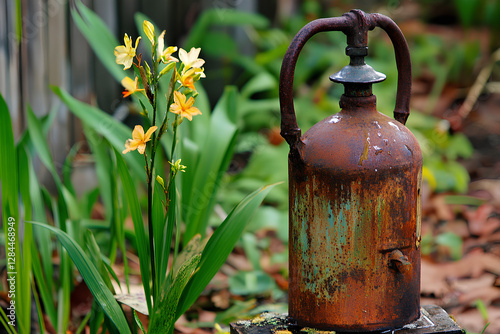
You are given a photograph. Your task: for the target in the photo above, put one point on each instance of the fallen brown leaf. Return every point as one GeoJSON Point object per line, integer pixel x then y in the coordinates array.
{"type": "Point", "coordinates": [206, 316]}
{"type": "Point", "coordinates": [492, 187]}
{"type": "Point", "coordinates": [471, 284]}
{"type": "Point", "coordinates": [433, 281]}
{"type": "Point", "coordinates": [435, 276]}
{"type": "Point", "coordinates": [239, 261]}
{"type": "Point", "coordinates": [477, 218]}
{"type": "Point", "coordinates": [281, 281]}
{"type": "Point", "coordinates": [443, 210]}
{"type": "Point", "coordinates": [221, 298]}
{"type": "Point", "coordinates": [457, 226]}
{"type": "Point", "coordinates": [487, 294]}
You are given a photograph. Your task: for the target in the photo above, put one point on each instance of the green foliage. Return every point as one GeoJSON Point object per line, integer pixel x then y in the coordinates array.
{"type": "Point", "coordinates": [10, 169]}
{"type": "Point", "coordinates": [482, 309]}
{"type": "Point", "coordinates": [92, 278]}
{"type": "Point", "coordinates": [253, 282]}
{"type": "Point", "coordinates": [220, 245]}
{"type": "Point", "coordinates": [221, 17]}
{"type": "Point", "coordinates": [198, 188]}
{"type": "Point", "coordinates": [448, 240]}
{"type": "Point", "coordinates": [453, 242]}
{"type": "Point", "coordinates": [205, 146]}
{"type": "Point", "coordinates": [478, 12]}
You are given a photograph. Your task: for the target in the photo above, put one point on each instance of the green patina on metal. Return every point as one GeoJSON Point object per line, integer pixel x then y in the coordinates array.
{"type": "Point", "coordinates": [380, 204]}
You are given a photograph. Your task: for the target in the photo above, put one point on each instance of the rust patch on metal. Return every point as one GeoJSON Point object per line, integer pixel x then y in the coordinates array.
{"type": "Point", "coordinates": [364, 155]}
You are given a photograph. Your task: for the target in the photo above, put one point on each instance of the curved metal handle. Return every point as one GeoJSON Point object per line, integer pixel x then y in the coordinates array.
{"type": "Point", "coordinates": [289, 127]}
{"type": "Point", "coordinates": [355, 25]}
{"type": "Point", "coordinates": [403, 64]}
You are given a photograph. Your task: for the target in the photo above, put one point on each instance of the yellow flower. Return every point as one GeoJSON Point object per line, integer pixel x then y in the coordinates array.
{"type": "Point", "coordinates": [149, 30]}
{"type": "Point", "coordinates": [191, 59]}
{"type": "Point", "coordinates": [165, 55]}
{"type": "Point", "coordinates": [139, 139]}
{"type": "Point", "coordinates": [183, 108]}
{"type": "Point", "coordinates": [126, 53]}
{"type": "Point", "coordinates": [187, 81]}
{"type": "Point", "coordinates": [188, 77]}
{"type": "Point", "coordinates": [131, 86]}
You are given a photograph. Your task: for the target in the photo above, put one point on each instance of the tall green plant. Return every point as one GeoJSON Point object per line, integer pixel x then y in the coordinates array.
{"type": "Point", "coordinates": [14, 178]}
{"type": "Point", "coordinates": [207, 147]}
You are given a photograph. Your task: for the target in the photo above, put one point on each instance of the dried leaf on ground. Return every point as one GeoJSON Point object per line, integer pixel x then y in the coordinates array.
{"type": "Point", "coordinates": [477, 219]}
{"type": "Point", "coordinates": [136, 301]}
{"type": "Point", "coordinates": [435, 276]}
{"type": "Point", "coordinates": [490, 187]}
{"type": "Point", "coordinates": [467, 285]}
{"type": "Point", "coordinates": [488, 294]}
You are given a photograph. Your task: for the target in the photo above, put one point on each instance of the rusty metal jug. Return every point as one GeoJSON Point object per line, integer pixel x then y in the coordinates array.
{"type": "Point", "coordinates": [355, 181]}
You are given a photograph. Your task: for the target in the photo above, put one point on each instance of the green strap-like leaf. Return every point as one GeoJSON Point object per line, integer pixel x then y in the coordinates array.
{"type": "Point", "coordinates": [95, 253]}
{"type": "Point", "coordinates": [42, 149]}
{"type": "Point", "coordinates": [164, 316]}
{"type": "Point", "coordinates": [8, 169]}
{"type": "Point", "coordinates": [10, 195]}
{"type": "Point", "coordinates": [92, 278]}
{"type": "Point", "coordinates": [24, 267]}
{"type": "Point", "coordinates": [43, 287]}
{"type": "Point", "coordinates": [220, 245]}
{"type": "Point", "coordinates": [40, 143]}
{"type": "Point", "coordinates": [199, 188]}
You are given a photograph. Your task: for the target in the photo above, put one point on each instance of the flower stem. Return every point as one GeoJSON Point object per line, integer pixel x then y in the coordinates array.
{"type": "Point", "coordinates": [150, 184]}
{"type": "Point", "coordinates": [174, 139]}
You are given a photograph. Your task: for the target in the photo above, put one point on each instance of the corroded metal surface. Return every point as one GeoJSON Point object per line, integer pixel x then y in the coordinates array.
{"type": "Point", "coordinates": [433, 320]}
{"type": "Point", "coordinates": [354, 197]}
{"type": "Point", "coordinates": [354, 190]}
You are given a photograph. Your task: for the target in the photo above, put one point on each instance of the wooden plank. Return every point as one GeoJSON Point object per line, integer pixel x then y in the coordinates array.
{"type": "Point", "coordinates": [81, 60]}
{"type": "Point", "coordinates": [34, 62]}
{"type": "Point", "coordinates": [108, 89]}
{"type": "Point", "coordinates": [57, 74]}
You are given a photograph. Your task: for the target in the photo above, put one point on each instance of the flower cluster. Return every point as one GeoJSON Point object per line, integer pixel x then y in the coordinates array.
{"type": "Point", "coordinates": [183, 91]}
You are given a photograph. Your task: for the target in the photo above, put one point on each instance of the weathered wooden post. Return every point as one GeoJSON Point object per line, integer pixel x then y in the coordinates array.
{"type": "Point", "coordinates": [355, 181]}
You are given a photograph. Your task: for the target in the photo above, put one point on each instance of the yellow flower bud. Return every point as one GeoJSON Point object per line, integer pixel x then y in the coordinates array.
{"type": "Point", "coordinates": [167, 68]}
{"type": "Point", "coordinates": [149, 30]}
{"type": "Point", "coordinates": [160, 181]}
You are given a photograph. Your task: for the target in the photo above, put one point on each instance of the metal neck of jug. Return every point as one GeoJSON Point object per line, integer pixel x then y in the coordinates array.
{"type": "Point", "coordinates": [358, 77]}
